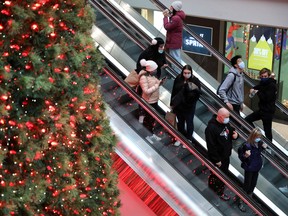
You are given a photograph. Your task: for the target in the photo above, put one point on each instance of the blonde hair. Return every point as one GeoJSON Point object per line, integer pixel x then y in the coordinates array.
{"type": "Point", "coordinates": [255, 133]}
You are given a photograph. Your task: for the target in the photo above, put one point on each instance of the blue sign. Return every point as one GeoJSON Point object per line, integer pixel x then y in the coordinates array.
{"type": "Point", "coordinates": [190, 44]}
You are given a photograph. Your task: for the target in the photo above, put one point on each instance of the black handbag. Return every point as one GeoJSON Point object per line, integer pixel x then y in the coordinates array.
{"type": "Point", "coordinates": [178, 98]}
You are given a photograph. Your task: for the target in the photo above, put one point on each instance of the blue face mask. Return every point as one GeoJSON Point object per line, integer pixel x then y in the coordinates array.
{"type": "Point", "coordinates": [226, 120]}
{"type": "Point", "coordinates": [264, 79]}
{"type": "Point", "coordinates": [257, 140]}
{"type": "Point", "coordinates": [160, 51]}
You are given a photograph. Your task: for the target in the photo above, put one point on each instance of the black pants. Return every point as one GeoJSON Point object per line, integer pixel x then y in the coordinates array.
{"type": "Point", "coordinates": [149, 121]}
{"type": "Point", "coordinates": [214, 182]}
{"type": "Point", "coordinates": [188, 118]}
{"type": "Point", "coordinates": [236, 108]}
{"type": "Point", "coordinates": [266, 120]}
{"type": "Point", "coordinates": [250, 181]}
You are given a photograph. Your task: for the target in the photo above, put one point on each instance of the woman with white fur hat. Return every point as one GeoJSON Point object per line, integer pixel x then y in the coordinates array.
{"type": "Point", "coordinates": [173, 23]}
{"type": "Point", "coordinates": [150, 91]}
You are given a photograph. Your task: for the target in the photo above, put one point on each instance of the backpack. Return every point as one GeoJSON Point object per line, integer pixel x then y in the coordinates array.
{"type": "Point", "coordinates": [229, 86]}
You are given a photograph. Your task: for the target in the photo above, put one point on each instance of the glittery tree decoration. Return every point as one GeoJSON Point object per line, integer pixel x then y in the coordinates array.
{"type": "Point", "coordinates": [55, 139]}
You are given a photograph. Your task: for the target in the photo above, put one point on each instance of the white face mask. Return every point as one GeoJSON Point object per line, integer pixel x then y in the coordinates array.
{"type": "Point", "coordinates": [226, 120]}
{"type": "Point", "coordinates": [187, 76]}
{"type": "Point", "coordinates": [241, 65]}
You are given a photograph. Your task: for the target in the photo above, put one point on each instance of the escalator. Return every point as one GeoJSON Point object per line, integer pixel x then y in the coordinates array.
{"type": "Point", "coordinates": [125, 40]}
{"type": "Point", "coordinates": [270, 174]}
{"type": "Point", "coordinates": [185, 162]}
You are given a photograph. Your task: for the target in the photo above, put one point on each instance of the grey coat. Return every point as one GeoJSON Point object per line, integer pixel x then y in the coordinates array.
{"type": "Point", "coordinates": [234, 95]}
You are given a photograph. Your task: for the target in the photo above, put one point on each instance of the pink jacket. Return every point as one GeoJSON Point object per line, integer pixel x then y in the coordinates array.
{"type": "Point", "coordinates": [150, 88]}
{"type": "Point", "coordinates": [174, 28]}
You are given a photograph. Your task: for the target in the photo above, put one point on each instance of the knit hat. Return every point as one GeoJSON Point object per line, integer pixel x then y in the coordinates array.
{"type": "Point", "coordinates": [157, 41]}
{"type": "Point", "coordinates": [177, 5]}
{"type": "Point", "coordinates": [149, 64]}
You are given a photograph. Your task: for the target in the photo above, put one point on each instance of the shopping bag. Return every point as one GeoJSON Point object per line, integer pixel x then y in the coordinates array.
{"type": "Point", "coordinates": [132, 79]}
{"type": "Point", "coordinates": [171, 118]}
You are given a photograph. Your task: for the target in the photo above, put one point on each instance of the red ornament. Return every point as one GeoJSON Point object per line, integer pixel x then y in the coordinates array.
{"type": "Point", "coordinates": [34, 27]}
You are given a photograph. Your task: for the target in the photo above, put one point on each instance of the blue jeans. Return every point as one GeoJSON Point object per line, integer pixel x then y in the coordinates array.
{"type": "Point", "coordinates": [175, 53]}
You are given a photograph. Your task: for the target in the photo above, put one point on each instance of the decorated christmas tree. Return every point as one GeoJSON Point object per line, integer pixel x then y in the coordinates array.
{"type": "Point", "coordinates": [55, 139]}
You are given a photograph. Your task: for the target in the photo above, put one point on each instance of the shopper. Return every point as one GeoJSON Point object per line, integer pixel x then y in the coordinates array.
{"type": "Point", "coordinates": [150, 93]}
{"type": "Point", "coordinates": [219, 135]}
{"type": "Point", "coordinates": [251, 162]}
{"type": "Point", "coordinates": [156, 53]}
{"type": "Point", "coordinates": [185, 94]}
{"type": "Point", "coordinates": [173, 23]}
{"type": "Point", "coordinates": [266, 91]}
{"type": "Point", "coordinates": [231, 91]}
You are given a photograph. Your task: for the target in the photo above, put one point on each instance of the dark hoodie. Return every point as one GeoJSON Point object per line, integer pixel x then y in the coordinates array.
{"type": "Point", "coordinates": [174, 28]}
{"type": "Point", "coordinates": [267, 93]}
{"type": "Point", "coordinates": [219, 140]}
{"type": "Point", "coordinates": [151, 53]}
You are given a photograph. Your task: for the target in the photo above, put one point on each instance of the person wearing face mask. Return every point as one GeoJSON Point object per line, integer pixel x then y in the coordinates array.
{"type": "Point", "coordinates": [251, 162]}
{"type": "Point", "coordinates": [185, 94]}
{"type": "Point", "coordinates": [156, 53]}
{"type": "Point", "coordinates": [150, 93]}
{"type": "Point", "coordinates": [231, 90]}
{"type": "Point", "coordinates": [266, 91]}
{"type": "Point", "coordinates": [219, 135]}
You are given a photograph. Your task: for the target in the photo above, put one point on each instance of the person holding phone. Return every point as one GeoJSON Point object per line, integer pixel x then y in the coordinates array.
{"type": "Point", "coordinates": [251, 163]}
{"type": "Point", "coordinates": [185, 94]}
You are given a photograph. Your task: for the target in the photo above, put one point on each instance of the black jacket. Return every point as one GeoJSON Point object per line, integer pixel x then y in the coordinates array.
{"type": "Point", "coordinates": [267, 93]}
{"type": "Point", "coordinates": [151, 53]}
{"type": "Point", "coordinates": [190, 97]}
{"type": "Point", "coordinates": [219, 140]}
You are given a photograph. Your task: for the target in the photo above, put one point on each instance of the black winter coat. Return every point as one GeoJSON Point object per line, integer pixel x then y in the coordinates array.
{"type": "Point", "coordinates": [190, 97]}
{"type": "Point", "coordinates": [219, 140]}
{"type": "Point", "coordinates": [267, 93]}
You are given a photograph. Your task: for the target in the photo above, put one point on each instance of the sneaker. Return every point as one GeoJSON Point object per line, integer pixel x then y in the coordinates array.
{"type": "Point", "coordinates": [177, 143]}
{"type": "Point", "coordinates": [149, 138]}
{"type": "Point", "coordinates": [141, 119]}
{"type": "Point", "coordinates": [284, 189]}
{"type": "Point", "coordinates": [183, 146]}
{"type": "Point", "coordinates": [224, 197]}
{"type": "Point", "coordinates": [241, 206]}
{"type": "Point", "coordinates": [154, 136]}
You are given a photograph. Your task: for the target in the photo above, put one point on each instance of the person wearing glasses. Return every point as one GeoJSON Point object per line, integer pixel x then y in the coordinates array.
{"type": "Point", "coordinates": [266, 91]}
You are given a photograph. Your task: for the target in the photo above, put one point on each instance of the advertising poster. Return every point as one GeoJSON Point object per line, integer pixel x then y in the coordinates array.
{"type": "Point", "coordinates": [261, 47]}
{"type": "Point", "coordinates": [190, 44]}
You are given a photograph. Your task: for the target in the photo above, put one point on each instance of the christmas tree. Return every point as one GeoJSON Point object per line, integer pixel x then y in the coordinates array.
{"type": "Point", "coordinates": [55, 139]}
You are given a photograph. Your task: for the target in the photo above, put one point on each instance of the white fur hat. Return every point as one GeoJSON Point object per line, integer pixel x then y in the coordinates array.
{"type": "Point", "coordinates": [177, 5]}
{"type": "Point", "coordinates": [149, 64]}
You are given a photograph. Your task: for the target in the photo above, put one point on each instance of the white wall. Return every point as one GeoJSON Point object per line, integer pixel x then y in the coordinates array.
{"type": "Point", "coordinates": [262, 12]}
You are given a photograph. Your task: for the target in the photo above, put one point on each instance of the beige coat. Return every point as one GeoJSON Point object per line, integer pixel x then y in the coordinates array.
{"type": "Point", "coordinates": [150, 88]}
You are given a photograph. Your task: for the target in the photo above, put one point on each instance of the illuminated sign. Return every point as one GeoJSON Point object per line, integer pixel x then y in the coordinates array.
{"type": "Point", "coordinates": [261, 48]}
{"type": "Point", "coordinates": [190, 44]}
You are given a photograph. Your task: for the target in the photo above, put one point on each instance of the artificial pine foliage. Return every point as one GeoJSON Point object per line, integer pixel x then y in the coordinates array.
{"type": "Point", "coordinates": [55, 139]}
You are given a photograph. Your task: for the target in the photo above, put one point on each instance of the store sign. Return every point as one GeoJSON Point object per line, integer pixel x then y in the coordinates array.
{"type": "Point", "coordinates": [261, 48]}
{"type": "Point", "coordinates": [190, 44]}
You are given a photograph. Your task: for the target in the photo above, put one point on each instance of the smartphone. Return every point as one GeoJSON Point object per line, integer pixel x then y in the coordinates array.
{"type": "Point", "coordinates": [164, 78]}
